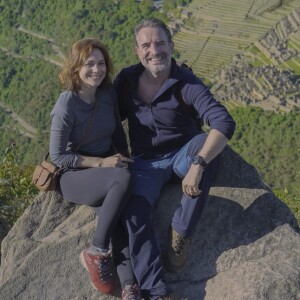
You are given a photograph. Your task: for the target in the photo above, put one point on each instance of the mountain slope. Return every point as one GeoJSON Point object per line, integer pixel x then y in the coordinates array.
{"type": "Point", "coordinates": [216, 30]}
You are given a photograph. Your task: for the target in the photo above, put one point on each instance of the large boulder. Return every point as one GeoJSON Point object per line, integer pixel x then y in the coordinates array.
{"type": "Point", "coordinates": [246, 246]}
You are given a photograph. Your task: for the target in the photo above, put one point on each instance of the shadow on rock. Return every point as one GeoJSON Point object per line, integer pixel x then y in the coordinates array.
{"type": "Point", "coordinates": [240, 210]}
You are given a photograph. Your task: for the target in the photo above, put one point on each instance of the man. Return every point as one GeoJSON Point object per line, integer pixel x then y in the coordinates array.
{"type": "Point", "coordinates": [165, 140]}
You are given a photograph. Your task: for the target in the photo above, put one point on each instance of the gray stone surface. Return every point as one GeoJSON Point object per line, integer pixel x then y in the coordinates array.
{"type": "Point", "coordinates": [246, 246]}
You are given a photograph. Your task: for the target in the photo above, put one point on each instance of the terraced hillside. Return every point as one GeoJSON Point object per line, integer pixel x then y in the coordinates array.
{"type": "Point", "coordinates": [266, 74]}
{"type": "Point", "coordinates": [216, 30]}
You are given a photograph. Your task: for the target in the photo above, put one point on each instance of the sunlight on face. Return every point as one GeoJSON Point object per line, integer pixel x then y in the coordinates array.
{"type": "Point", "coordinates": [93, 70]}
{"type": "Point", "coordinates": [154, 50]}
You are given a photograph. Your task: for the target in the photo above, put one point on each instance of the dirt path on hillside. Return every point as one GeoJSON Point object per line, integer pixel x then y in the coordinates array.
{"type": "Point", "coordinates": [43, 37]}
{"type": "Point", "coordinates": [28, 129]}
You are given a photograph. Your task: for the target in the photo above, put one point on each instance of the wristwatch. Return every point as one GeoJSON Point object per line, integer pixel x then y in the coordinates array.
{"type": "Point", "coordinates": [199, 160]}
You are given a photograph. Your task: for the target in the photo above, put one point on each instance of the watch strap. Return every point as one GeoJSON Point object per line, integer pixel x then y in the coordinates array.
{"type": "Point", "coordinates": [199, 160]}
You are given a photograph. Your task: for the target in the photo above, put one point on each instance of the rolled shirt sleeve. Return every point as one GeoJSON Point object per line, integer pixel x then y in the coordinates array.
{"type": "Point", "coordinates": [211, 111]}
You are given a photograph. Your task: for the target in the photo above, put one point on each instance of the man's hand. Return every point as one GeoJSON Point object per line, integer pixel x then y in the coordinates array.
{"type": "Point", "coordinates": [190, 183]}
{"type": "Point", "coordinates": [213, 146]}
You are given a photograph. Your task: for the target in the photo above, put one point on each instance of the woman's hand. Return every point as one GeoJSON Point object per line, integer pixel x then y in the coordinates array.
{"type": "Point", "coordinates": [118, 160]}
{"type": "Point", "coordinates": [115, 161]}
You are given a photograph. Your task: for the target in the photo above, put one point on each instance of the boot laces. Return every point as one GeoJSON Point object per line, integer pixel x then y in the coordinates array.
{"type": "Point", "coordinates": [105, 268]}
{"type": "Point", "coordinates": [179, 245]}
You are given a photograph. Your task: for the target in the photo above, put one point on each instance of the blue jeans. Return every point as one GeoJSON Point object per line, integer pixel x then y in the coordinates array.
{"type": "Point", "coordinates": [149, 177]}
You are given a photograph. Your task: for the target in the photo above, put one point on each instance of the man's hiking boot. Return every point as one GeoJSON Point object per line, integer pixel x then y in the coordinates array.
{"type": "Point", "coordinates": [99, 266]}
{"type": "Point", "coordinates": [178, 251]}
{"type": "Point", "coordinates": [131, 292]}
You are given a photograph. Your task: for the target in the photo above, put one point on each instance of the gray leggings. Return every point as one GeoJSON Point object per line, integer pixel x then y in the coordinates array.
{"type": "Point", "coordinates": [107, 190]}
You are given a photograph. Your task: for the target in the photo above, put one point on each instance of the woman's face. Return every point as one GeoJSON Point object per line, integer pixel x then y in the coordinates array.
{"type": "Point", "coordinates": [93, 70]}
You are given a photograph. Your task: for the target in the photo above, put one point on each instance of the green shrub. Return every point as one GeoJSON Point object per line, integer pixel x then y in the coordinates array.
{"type": "Point", "coordinates": [16, 189]}
{"type": "Point", "coordinates": [292, 201]}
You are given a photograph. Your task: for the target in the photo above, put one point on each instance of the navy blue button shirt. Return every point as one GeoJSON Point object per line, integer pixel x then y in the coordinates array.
{"type": "Point", "coordinates": [165, 124]}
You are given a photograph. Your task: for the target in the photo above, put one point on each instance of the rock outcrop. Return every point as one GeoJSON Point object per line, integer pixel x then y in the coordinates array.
{"type": "Point", "coordinates": [246, 246]}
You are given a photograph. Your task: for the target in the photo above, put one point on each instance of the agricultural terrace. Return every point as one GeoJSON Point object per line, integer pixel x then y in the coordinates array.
{"type": "Point", "coordinates": [217, 30]}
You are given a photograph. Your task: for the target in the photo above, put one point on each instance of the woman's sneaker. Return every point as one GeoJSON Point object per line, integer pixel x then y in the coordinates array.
{"type": "Point", "coordinates": [99, 266]}
{"type": "Point", "coordinates": [131, 292]}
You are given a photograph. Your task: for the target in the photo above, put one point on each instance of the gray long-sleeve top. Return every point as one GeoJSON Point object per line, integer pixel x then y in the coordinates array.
{"type": "Point", "coordinates": [70, 120]}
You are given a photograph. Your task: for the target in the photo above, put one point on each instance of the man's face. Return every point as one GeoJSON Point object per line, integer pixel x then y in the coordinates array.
{"type": "Point", "coordinates": [154, 50]}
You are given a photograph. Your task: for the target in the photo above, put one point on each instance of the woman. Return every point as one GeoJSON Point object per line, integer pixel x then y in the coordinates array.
{"type": "Point", "coordinates": [85, 131]}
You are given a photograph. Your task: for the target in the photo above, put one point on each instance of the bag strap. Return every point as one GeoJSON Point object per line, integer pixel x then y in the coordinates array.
{"type": "Point", "coordinates": [87, 131]}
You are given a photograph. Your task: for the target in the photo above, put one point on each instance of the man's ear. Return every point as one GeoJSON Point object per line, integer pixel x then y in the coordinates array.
{"type": "Point", "coordinates": [172, 46]}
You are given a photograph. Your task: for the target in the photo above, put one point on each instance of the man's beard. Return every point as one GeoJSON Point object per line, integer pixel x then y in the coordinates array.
{"type": "Point", "coordinates": [159, 68]}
